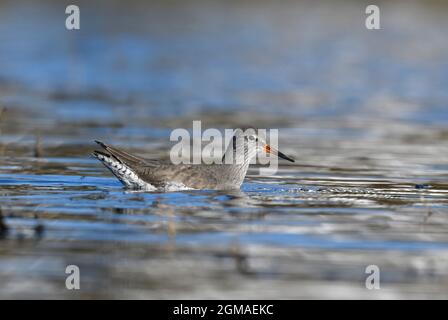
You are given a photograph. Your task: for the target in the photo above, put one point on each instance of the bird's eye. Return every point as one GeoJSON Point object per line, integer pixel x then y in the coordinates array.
{"type": "Point", "coordinates": [251, 138]}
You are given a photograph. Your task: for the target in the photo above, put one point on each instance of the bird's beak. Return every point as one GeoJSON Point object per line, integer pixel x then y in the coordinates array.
{"type": "Point", "coordinates": [269, 149]}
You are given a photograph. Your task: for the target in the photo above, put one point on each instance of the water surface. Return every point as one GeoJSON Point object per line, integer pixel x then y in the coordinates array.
{"type": "Point", "coordinates": [363, 112]}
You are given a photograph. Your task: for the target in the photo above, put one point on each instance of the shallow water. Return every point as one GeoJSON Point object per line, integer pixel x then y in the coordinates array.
{"type": "Point", "coordinates": [363, 112]}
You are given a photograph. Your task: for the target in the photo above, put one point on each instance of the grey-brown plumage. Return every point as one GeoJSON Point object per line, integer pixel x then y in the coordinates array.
{"type": "Point", "coordinates": [138, 173]}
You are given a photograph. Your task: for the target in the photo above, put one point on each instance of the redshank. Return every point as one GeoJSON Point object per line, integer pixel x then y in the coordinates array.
{"type": "Point", "coordinates": [154, 175]}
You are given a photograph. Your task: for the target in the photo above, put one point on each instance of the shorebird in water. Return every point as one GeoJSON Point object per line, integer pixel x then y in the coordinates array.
{"type": "Point", "coordinates": [153, 175]}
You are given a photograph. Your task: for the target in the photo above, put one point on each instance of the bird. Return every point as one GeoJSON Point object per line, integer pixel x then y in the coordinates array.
{"type": "Point", "coordinates": [137, 173]}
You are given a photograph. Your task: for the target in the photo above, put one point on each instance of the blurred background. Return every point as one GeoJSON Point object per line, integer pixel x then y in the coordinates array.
{"type": "Point", "coordinates": [364, 112]}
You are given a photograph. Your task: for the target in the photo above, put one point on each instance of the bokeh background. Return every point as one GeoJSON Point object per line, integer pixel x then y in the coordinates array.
{"type": "Point", "coordinates": [364, 112]}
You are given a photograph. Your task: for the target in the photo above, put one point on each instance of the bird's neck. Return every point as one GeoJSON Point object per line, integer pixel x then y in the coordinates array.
{"type": "Point", "coordinates": [236, 153]}
{"type": "Point", "coordinates": [234, 174]}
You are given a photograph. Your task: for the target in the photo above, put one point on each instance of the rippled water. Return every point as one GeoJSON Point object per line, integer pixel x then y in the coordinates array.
{"type": "Point", "coordinates": [365, 114]}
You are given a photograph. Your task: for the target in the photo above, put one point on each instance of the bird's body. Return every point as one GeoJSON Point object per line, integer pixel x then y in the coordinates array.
{"type": "Point", "coordinates": [153, 175]}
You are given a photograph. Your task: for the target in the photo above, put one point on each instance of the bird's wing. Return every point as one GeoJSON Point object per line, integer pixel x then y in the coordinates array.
{"type": "Point", "coordinates": [191, 175]}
